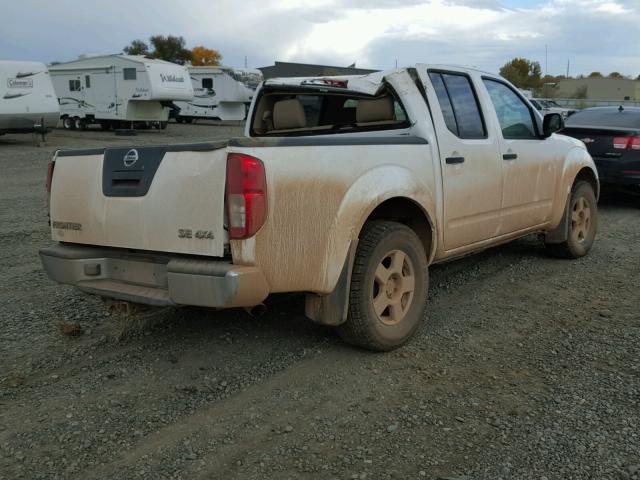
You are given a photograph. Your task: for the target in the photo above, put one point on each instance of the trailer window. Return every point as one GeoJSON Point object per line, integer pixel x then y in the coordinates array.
{"type": "Point", "coordinates": [74, 85]}
{"type": "Point", "coordinates": [207, 83]}
{"type": "Point", "coordinates": [129, 73]}
{"type": "Point", "coordinates": [315, 113]}
{"type": "Point", "coordinates": [87, 81]}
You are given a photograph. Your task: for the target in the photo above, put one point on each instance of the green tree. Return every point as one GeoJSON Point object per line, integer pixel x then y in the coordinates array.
{"type": "Point", "coordinates": [616, 75]}
{"type": "Point", "coordinates": [595, 75]}
{"type": "Point", "coordinates": [170, 48]}
{"type": "Point", "coordinates": [522, 73]}
{"type": "Point", "coordinates": [137, 47]}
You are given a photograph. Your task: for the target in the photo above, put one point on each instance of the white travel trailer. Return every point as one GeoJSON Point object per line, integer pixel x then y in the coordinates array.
{"type": "Point", "coordinates": [27, 100]}
{"type": "Point", "coordinates": [118, 90]}
{"type": "Point", "coordinates": [219, 92]}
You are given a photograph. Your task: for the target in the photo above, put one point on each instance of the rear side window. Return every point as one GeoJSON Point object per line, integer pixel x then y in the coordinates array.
{"type": "Point", "coordinates": [516, 120]}
{"type": "Point", "coordinates": [74, 85]}
{"type": "Point", "coordinates": [129, 73]}
{"type": "Point", "coordinates": [459, 105]}
{"type": "Point", "coordinates": [207, 83]}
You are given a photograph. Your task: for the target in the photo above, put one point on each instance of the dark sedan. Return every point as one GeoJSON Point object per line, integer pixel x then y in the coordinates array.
{"type": "Point", "coordinates": [612, 136]}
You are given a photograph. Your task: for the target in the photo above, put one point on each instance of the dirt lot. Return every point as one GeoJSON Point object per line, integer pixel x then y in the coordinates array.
{"type": "Point", "coordinates": [527, 368]}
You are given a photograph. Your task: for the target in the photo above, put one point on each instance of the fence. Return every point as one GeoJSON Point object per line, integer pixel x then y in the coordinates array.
{"type": "Point", "coordinates": [580, 103]}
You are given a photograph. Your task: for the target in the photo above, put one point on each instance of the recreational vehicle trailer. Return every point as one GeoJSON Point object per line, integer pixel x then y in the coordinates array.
{"type": "Point", "coordinates": [118, 90]}
{"type": "Point", "coordinates": [219, 92]}
{"type": "Point", "coordinates": [27, 100]}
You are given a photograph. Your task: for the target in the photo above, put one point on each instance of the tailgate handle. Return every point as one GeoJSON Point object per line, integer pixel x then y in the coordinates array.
{"type": "Point", "coordinates": [454, 160]}
{"type": "Point", "coordinates": [509, 156]}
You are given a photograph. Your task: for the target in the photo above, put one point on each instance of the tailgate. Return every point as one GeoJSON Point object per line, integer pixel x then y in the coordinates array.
{"type": "Point", "coordinates": [157, 198]}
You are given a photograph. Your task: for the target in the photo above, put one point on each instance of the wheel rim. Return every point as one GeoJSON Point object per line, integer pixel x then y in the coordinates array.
{"type": "Point", "coordinates": [580, 220]}
{"type": "Point", "coordinates": [393, 287]}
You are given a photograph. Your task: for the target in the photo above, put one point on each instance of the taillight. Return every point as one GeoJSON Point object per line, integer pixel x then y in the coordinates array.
{"type": "Point", "coordinates": [627, 142]}
{"type": "Point", "coordinates": [50, 167]}
{"type": "Point", "coordinates": [246, 195]}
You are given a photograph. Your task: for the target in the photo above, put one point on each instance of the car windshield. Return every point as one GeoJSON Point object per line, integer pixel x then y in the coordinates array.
{"type": "Point", "coordinates": [605, 117]}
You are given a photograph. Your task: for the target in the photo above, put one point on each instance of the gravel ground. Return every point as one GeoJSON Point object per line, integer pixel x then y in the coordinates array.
{"type": "Point", "coordinates": [528, 367]}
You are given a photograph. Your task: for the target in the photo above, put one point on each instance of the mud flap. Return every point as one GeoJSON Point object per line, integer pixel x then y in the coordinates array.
{"type": "Point", "coordinates": [332, 309]}
{"type": "Point", "coordinates": [561, 232]}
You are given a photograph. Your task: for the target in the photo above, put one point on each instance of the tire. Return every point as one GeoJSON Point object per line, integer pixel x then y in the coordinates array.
{"type": "Point", "coordinates": [68, 123]}
{"type": "Point", "coordinates": [105, 125]}
{"type": "Point", "coordinates": [583, 223]}
{"type": "Point", "coordinates": [80, 123]}
{"type": "Point", "coordinates": [383, 313]}
{"type": "Point", "coordinates": [179, 119]}
{"type": "Point", "coordinates": [163, 125]}
{"type": "Point", "coordinates": [188, 119]}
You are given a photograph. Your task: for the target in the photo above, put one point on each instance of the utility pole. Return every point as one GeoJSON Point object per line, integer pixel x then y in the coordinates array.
{"type": "Point", "coordinates": [245, 61]}
{"type": "Point", "coordinates": [568, 60]}
{"type": "Point", "coordinates": [546, 61]}
{"type": "Point", "coordinates": [396, 63]}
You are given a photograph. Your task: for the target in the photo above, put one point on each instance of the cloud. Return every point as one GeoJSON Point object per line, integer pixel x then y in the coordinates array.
{"type": "Point", "coordinates": [594, 34]}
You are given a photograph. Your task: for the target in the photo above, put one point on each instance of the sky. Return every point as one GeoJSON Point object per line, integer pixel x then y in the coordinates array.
{"type": "Point", "coordinates": [592, 35]}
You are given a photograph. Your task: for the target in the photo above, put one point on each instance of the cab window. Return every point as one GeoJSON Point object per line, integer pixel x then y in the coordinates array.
{"type": "Point", "coordinates": [515, 117]}
{"type": "Point", "coordinates": [459, 104]}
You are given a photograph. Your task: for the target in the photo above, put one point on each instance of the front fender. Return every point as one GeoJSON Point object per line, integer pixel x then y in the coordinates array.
{"type": "Point", "coordinates": [576, 160]}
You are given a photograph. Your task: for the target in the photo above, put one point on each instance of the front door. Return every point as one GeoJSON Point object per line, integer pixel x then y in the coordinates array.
{"type": "Point", "coordinates": [530, 166]}
{"type": "Point", "coordinates": [469, 157]}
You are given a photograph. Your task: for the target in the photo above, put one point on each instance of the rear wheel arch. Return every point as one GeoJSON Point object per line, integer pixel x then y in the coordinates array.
{"type": "Point", "coordinates": [408, 212]}
{"type": "Point", "coordinates": [332, 309]}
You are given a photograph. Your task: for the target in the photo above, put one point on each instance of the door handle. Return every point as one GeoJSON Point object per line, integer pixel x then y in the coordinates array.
{"type": "Point", "coordinates": [509, 156]}
{"type": "Point", "coordinates": [454, 160]}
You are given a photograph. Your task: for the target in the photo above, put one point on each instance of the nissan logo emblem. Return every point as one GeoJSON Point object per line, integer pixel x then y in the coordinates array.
{"type": "Point", "coordinates": [131, 157]}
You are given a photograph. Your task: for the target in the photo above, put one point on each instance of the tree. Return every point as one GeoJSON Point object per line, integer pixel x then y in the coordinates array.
{"type": "Point", "coordinates": [595, 75]}
{"type": "Point", "coordinates": [616, 75]}
{"type": "Point", "coordinates": [522, 73]}
{"type": "Point", "coordinates": [137, 47]}
{"type": "Point", "coordinates": [205, 56]}
{"type": "Point", "coordinates": [170, 48]}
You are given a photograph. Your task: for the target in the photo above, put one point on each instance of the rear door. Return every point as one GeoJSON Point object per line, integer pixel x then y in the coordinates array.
{"type": "Point", "coordinates": [164, 198]}
{"type": "Point", "coordinates": [469, 156]}
{"type": "Point", "coordinates": [530, 163]}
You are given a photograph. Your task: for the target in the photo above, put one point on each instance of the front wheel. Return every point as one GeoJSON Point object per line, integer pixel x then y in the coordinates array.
{"type": "Point", "coordinates": [388, 291]}
{"type": "Point", "coordinates": [582, 223]}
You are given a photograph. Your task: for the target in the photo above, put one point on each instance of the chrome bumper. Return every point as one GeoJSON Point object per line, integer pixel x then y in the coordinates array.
{"type": "Point", "coordinates": [155, 279]}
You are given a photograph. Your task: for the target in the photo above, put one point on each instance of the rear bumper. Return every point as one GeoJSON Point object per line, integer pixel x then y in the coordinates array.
{"type": "Point", "coordinates": [155, 279]}
{"type": "Point", "coordinates": [618, 172]}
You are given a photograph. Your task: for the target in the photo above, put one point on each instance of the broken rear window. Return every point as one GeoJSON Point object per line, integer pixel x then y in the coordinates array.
{"type": "Point", "coordinates": [280, 113]}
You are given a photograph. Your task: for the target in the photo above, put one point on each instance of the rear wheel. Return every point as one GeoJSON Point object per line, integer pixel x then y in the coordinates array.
{"type": "Point", "coordinates": [68, 123]}
{"type": "Point", "coordinates": [388, 287]}
{"type": "Point", "coordinates": [163, 125]}
{"type": "Point", "coordinates": [583, 223]}
{"type": "Point", "coordinates": [80, 123]}
{"type": "Point", "coordinates": [105, 125]}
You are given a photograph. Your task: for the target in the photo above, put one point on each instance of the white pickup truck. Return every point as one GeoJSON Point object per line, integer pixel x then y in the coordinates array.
{"type": "Point", "coordinates": [344, 188]}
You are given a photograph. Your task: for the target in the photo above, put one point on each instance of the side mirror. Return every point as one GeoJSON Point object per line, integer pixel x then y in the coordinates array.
{"type": "Point", "coordinates": [552, 122]}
